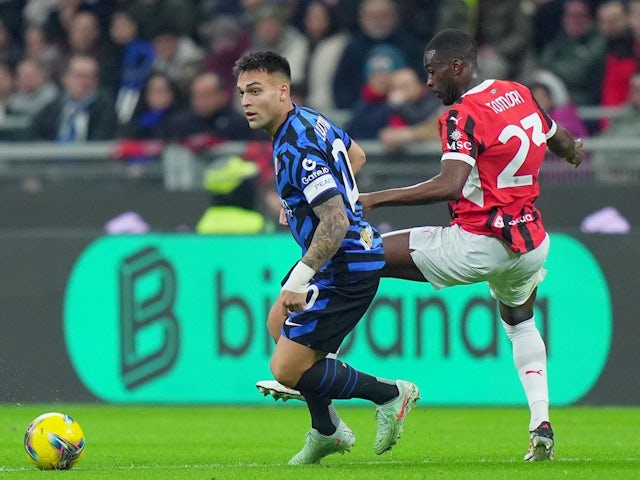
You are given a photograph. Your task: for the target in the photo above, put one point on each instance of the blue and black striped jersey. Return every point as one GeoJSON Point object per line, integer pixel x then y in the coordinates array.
{"type": "Point", "coordinates": [311, 164]}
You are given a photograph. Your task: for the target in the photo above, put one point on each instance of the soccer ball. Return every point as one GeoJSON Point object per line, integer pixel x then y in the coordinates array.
{"type": "Point", "coordinates": [54, 441]}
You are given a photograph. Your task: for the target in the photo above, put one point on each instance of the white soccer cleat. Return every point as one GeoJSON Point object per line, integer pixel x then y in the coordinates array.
{"type": "Point", "coordinates": [317, 446]}
{"type": "Point", "coordinates": [278, 391]}
{"type": "Point", "coordinates": [391, 416]}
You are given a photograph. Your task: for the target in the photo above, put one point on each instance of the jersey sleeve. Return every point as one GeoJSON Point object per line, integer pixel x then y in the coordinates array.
{"type": "Point", "coordinates": [313, 177]}
{"type": "Point", "coordinates": [458, 136]}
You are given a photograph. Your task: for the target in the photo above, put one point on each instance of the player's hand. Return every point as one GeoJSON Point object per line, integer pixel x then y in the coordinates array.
{"type": "Point", "coordinates": [282, 220]}
{"type": "Point", "coordinates": [293, 302]}
{"type": "Point", "coordinates": [578, 153]}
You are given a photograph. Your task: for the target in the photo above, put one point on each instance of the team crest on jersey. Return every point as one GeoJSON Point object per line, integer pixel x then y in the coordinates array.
{"type": "Point", "coordinates": [366, 237]}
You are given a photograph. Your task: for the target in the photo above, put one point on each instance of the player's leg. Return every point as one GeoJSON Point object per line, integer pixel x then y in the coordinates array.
{"type": "Point", "coordinates": [328, 434]}
{"type": "Point", "coordinates": [397, 257]}
{"type": "Point", "coordinates": [274, 388]}
{"type": "Point", "coordinates": [529, 351]}
{"type": "Point", "coordinates": [332, 313]}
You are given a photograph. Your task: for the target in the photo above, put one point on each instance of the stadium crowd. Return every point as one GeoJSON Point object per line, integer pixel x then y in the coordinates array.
{"type": "Point", "coordinates": [138, 70]}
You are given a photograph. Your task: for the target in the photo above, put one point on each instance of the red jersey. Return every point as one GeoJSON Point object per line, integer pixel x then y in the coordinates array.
{"type": "Point", "coordinates": [499, 129]}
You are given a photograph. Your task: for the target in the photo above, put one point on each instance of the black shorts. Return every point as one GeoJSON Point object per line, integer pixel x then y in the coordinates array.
{"type": "Point", "coordinates": [333, 311]}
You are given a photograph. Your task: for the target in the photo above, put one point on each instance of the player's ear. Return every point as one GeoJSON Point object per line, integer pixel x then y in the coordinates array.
{"type": "Point", "coordinates": [285, 91]}
{"type": "Point", "coordinates": [456, 66]}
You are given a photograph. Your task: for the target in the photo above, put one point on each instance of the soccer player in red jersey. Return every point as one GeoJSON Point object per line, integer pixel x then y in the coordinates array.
{"type": "Point", "coordinates": [494, 138]}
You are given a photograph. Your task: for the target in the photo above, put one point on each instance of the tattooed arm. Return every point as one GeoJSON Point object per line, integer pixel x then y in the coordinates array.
{"type": "Point", "coordinates": [326, 241]}
{"type": "Point", "coordinates": [329, 234]}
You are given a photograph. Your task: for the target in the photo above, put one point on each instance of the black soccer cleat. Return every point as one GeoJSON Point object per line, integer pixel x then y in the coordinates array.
{"type": "Point", "coordinates": [540, 444]}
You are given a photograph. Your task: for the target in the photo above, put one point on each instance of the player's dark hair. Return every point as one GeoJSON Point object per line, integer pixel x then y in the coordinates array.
{"type": "Point", "coordinates": [268, 61]}
{"type": "Point", "coordinates": [452, 43]}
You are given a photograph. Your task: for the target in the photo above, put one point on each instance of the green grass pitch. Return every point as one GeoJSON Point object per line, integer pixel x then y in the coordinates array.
{"type": "Point", "coordinates": [244, 443]}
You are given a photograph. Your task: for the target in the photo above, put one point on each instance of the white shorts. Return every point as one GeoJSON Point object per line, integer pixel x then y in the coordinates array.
{"type": "Point", "coordinates": [449, 256]}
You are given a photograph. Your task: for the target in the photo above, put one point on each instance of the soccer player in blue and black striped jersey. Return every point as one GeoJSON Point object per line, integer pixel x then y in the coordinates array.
{"type": "Point", "coordinates": [326, 293]}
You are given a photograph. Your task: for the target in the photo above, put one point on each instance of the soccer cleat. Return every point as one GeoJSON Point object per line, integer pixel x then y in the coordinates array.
{"type": "Point", "coordinates": [391, 416]}
{"type": "Point", "coordinates": [278, 391]}
{"type": "Point", "coordinates": [540, 444]}
{"type": "Point", "coordinates": [317, 446]}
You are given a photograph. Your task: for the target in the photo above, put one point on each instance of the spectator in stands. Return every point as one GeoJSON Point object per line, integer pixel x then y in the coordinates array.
{"type": "Point", "coordinates": [80, 112]}
{"type": "Point", "coordinates": [34, 89]}
{"type": "Point", "coordinates": [177, 55]}
{"type": "Point", "coordinates": [84, 37]}
{"type": "Point", "coordinates": [37, 12]}
{"type": "Point", "coordinates": [611, 164]}
{"type": "Point", "coordinates": [210, 117]}
{"type": "Point", "coordinates": [414, 111]}
{"type": "Point", "coordinates": [272, 31]}
{"type": "Point", "coordinates": [226, 42]}
{"type": "Point", "coordinates": [552, 95]}
{"type": "Point", "coordinates": [425, 18]}
{"type": "Point", "coordinates": [577, 54]}
{"type": "Point", "coordinates": [180, 15]}
{"type": "Point", "coordinates": [620, 60]}
{"type": "Point", "coordinates": [346, 13]}
{"type": "Point", "coordinates": [159, 100]}
{"type": "Point", "coordinates": [547, 22]}
{"type": "Point", "coordinates": [36, 44]}
{"type": "Point", "coordinates": [373, 111]}
{"type": "Point", "coordinates": [326, 44]}
{"type": "Point", "coordinates": [7, 86]}
{"type": "Point", "coordinates": [505, 35]}
{"type": "Point", "coordinates": [378, 21]}
{"type": "Point", "coordinates": [10, 52]}
{"type": "Point", "coordinates": [135, 58]}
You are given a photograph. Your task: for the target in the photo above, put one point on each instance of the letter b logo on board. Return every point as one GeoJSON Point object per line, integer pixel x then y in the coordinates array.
{"type": "Point", "coordinates": [149, 333]}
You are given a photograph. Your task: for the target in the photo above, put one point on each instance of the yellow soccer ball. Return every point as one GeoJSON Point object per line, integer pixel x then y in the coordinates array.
{"type": "Point", "coordinates": [54, 441]}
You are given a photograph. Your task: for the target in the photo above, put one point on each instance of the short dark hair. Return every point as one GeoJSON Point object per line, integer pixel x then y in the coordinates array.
{"type": "Point", "coordinates": [268, 61]}
{"type": "Point", "coordinates": [452, 43]}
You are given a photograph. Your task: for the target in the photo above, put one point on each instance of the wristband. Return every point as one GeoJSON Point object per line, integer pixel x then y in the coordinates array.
{"type": "Point", "coordinates": [299, 278]}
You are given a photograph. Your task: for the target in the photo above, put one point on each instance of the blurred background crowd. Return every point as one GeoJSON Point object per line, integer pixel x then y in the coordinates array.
{"type": "Point", "coordinates": [76, 70]}
{"type": "Point", "coordinates": [149, 73]}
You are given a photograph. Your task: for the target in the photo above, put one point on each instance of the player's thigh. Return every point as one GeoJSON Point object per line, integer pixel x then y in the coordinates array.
{"type": "Point", "coordinates": [514, 285]}
{"type": "Point", "coordinates": [397, 257]}
{"type": "Point", "coordinates": [276, 318]}
{"type": "Point", "coordinates": [449, 256]}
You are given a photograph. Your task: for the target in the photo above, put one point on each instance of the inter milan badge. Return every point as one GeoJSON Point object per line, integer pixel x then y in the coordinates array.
{"type": "Point", "coordinates": [366, 237]}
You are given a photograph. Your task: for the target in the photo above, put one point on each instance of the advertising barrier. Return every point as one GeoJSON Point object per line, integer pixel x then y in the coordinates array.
{"type": "Point", "coordinates": [180, 318]}
{"type": "Point", "coordinates": [172, 318]}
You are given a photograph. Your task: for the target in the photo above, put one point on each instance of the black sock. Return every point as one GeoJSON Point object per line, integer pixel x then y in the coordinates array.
{"type": "Point", "coordinates": [333, 378]}
{"type": "Point", "coordinates": [324, 417]}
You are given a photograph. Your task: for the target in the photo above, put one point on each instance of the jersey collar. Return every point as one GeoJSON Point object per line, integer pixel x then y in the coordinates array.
{"type": "Point", "coordinates": [480, 87]}
{"type": "Point", "coordinates": [281, 128]}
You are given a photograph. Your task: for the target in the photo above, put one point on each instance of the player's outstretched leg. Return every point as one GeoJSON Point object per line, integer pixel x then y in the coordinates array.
{"type": "Point", "coordinates": [317, 446]}
{"type": "Point", "coordinates": [278, 391]}
{"type": "Point", "coordinates": [540, 444]}
{"type": "Point", "coordinates": [391, 415]}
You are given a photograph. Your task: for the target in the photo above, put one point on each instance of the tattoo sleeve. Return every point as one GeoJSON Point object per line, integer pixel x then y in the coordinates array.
{"type": "Point", "coordinates": [329, 233]}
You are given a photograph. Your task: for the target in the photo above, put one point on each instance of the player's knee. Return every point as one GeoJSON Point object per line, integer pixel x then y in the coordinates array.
{"type": "Point", "coordinates": [283, 373]}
